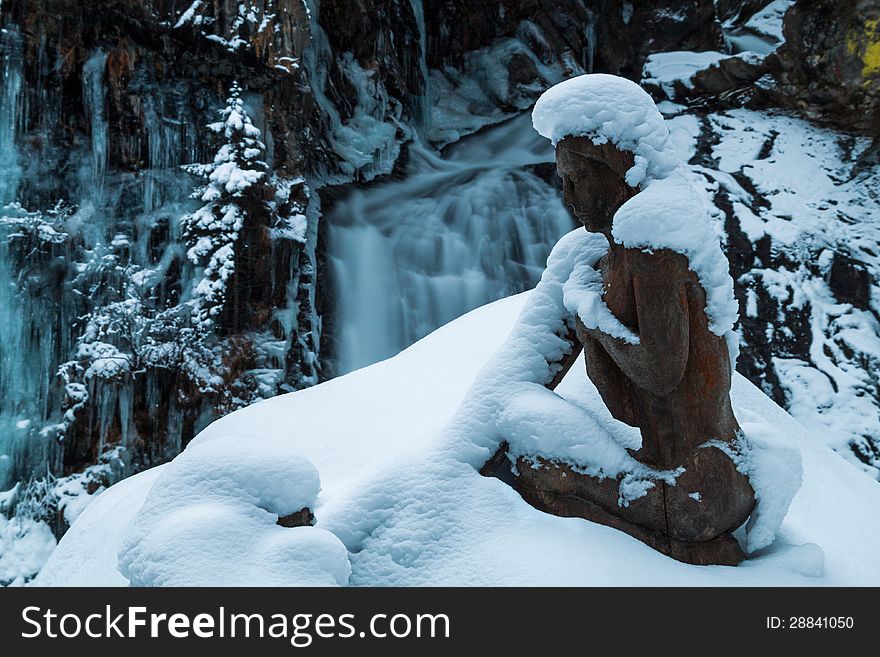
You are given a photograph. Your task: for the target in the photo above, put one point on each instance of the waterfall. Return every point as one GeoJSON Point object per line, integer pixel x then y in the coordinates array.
{"type": "Point", "coordinates": [459, 231]}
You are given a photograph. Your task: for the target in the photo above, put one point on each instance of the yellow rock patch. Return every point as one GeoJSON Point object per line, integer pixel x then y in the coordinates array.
{"type": "Point", "coordinates": [866, 46]}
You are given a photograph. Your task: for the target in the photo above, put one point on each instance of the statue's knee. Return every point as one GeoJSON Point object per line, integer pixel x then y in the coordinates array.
{"type": "Point", "coordinates": [709, 499]}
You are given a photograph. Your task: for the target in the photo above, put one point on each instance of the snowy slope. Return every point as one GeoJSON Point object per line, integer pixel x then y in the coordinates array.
{"type": "Point", "coordinates": [801, 204]}
{"type": "Point", "coordinates": [409, 516]}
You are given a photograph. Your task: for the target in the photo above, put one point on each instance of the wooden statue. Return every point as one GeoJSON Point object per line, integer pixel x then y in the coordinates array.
{"type": "Point", "coordinates": [674, 385]}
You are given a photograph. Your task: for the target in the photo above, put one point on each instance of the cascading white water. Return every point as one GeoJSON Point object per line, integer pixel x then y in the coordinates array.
{"type": "Point", "coordinates": [459, 231]}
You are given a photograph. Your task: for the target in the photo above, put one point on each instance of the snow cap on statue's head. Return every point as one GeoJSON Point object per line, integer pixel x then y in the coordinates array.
{"type": "Point", "coordinates": [607, 108]}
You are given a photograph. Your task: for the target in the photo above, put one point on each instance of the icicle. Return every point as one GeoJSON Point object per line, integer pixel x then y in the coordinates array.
{"type": "Point", "coordinates": [590, 41]}
{"type": "Point", "coordinates": [422, 100]}
{"type": "Point", "coordinates": [93, 99]}
{"type": "Point", "coordinates": [27, 339]}
{"type": "Point", "coordinates": [10, 114]}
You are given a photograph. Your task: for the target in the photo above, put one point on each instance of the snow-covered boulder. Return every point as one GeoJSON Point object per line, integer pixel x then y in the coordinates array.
{"type": "Point", "coordinates": [679, 76]}
{"type": "Point", "coordinates": [212, 519]}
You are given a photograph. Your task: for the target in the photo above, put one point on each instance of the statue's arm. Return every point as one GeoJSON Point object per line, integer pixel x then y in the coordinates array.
{"type": "Point", "coordinates": [567, 360]}
{"type": "Point", "coordinates": [657, 363]}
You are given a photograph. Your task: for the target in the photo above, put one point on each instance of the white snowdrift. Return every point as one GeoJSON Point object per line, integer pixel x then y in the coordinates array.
{"type": "Point", "coordinates": [409, 515]}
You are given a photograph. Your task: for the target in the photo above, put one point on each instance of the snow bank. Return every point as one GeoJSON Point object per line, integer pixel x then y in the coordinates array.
{"type": "Point", "coordinates": [212, 518]}
{"type": "Point", "coordinates": [608, 108]}
{"type": "Point", "coordinates": [410, 515]}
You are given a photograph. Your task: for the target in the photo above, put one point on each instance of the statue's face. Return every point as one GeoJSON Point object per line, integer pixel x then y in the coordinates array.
{"type": "Point", "coordinates": [592, 180]}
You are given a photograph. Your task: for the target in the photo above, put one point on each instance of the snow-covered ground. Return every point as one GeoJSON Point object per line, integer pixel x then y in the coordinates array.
{"type": "Point", "coordinates": [408, 515]}
{"type": "Point", "coordinates": [25, 545]}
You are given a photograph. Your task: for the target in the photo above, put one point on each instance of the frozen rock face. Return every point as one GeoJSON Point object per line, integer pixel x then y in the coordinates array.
{"type": "Point", "coordinates": [103, 102]}
{"type": "Point", "coordinates": [816, 57]}
{"type": "Point", "coordinates": [796, 201]}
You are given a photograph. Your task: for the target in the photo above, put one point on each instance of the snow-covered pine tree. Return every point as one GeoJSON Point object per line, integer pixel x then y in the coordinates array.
{"type": "Point", "coordinates": [235, 186]}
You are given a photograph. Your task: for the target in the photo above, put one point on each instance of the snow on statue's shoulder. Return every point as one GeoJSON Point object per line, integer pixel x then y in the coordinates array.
{"type": "Point", "coordinates": [667, 214]}
{"type": "Point", "coordinates": [608, 108]}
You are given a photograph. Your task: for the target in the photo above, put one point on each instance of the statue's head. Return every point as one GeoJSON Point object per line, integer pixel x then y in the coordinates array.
{"type": "Point", "coordinates": [593, 180]}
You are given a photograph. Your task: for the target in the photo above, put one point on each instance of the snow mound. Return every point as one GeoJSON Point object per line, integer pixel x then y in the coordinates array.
{"type": "Point", "coordinates": [211, 519]}
{"type": "Point", "coordinates": [608, 108]}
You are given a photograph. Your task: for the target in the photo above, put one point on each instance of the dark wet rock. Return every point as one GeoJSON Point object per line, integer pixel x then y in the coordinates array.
{"type": "Point", "coordinates": [850, 281]}
{"type": "Point", "coordinates": [729, 75]}
{"type": "Point", "coordinates": [302, 518]}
